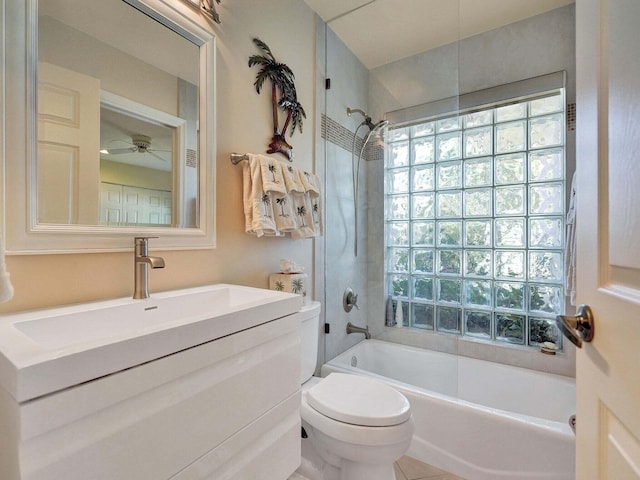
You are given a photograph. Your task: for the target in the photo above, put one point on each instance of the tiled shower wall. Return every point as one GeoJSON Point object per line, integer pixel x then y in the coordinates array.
{"type": "Point", "coordinates": [535, 46]}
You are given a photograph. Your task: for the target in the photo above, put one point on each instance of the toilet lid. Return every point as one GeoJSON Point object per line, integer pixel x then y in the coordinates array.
{"type": "Point", "coordinates": [358, 400]}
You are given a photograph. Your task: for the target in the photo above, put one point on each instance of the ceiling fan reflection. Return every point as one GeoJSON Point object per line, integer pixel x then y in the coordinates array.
{"type": "Point", "coordinates": [139, 144]}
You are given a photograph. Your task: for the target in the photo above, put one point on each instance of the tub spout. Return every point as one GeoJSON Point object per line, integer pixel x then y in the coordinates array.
{"type": "Point", "coordinates": [353, 329]}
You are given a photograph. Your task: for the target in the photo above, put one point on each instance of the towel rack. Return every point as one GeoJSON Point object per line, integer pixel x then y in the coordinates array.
{"type": "Point", "coordinates": [236, 158]}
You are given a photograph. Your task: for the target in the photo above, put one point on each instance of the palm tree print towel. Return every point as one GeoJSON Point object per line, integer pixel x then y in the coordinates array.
{"type": "Point", "coordinates": [279, 198]}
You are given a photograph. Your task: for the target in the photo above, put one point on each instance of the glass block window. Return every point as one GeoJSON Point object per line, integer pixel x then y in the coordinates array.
{"type": "Point", "coordinates": [474, 206]}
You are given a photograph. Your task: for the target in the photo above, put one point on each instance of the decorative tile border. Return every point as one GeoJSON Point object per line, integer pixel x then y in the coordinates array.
{"type": "Point", "coordinates": [571, 117]}
{"type": "Point", "coordinates": [341, 136]}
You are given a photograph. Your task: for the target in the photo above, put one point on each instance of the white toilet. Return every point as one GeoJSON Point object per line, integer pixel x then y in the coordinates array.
{"type": "Point", "coordinates": [356, 426]}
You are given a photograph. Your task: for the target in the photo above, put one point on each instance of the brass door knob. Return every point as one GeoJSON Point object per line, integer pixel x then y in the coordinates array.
{"type": "Point", "coordinates": [579, 327]}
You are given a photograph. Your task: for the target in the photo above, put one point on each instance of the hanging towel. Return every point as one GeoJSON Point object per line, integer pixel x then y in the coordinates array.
{"type": "Point", "coordinates": [258, 205]}
{"type": "Point", "coordinates": [302, 209]}
{"type": "Point", "coordinates": [570, 246]}
{"type": "Point", "coordinates": [273, 184]}
{"type": "Point", "coordinates": [6, 289]}
{"type": "Point", "coordinates": [272, 179]}
{"type": "Point", "coordinates": [312, 186]}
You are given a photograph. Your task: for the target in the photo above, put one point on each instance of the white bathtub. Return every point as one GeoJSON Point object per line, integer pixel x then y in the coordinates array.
{"type": "Point", "coordinates": [477, 419]}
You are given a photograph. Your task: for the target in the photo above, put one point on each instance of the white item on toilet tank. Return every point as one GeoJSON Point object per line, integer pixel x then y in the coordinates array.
{"type": "Point", "coordinates": [309, 336]}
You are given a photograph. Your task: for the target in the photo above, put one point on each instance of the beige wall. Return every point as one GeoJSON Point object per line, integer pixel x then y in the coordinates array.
{"type": "Point", "coordinates": [243, 125]}
{"type": "Point", "coordinates": [133, 176]}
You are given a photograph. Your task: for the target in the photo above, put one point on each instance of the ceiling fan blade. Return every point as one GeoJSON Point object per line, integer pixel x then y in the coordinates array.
{"type": "Point", "coordinates": [120, 151]}
{"type": "Point", "coordinates": [157, 156]}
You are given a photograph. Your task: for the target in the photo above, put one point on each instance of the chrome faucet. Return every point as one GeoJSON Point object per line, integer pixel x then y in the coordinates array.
{"type": "Point", "coordinates": [353, 329]}
{"type": "Point", "coordinates": [141, 263]}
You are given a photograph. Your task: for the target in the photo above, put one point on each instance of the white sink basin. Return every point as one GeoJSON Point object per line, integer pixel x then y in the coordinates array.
{"type": "Point", "coordinates": [45, 351]}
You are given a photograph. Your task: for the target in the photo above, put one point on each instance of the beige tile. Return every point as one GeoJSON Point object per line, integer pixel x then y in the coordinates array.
{"type": "Point", "coordinates": [414, 469]}
{"type": "Point", "coordinates": [399, 474]}
{"type": "Point", "coordinates": [446, 476]}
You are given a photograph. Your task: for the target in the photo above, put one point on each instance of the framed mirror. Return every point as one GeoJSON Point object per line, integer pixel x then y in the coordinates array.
{"type": "Point", "coordinates": [117, 137]}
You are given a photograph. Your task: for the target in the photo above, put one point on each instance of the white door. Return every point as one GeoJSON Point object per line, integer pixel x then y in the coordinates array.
{"type": "Point", "coordinates": [608, 217]}
{"type": "Point", "coordinates": [68, 146]}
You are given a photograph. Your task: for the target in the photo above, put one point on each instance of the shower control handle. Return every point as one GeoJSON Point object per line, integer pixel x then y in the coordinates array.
{"type": "Point", "coordinates": [349, 300]}
{"type": "Point", "coordinates": [579, 327]}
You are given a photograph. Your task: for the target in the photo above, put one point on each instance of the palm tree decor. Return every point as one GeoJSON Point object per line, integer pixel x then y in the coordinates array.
{"type": "Point", "coordinates": [279, 286]}
{"type": "Point", "coordinates": [302, 212]}
{"type": "Point", "coordinates": [297, 286]}
{"type": "Point", "coordinates": [282, 84]}
{"type": "Point", "coordinates": [209, 7]}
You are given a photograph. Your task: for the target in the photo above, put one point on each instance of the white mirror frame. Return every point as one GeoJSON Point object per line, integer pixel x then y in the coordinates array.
{"type": "Point", "coordinates": [18, 123]}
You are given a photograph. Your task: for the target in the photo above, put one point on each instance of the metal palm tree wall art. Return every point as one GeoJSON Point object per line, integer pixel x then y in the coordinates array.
{"type": "Point", "coordinates": [283, 95]}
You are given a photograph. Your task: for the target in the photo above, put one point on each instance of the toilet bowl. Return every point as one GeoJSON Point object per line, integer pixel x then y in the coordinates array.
{"type": "Point", "coordinates": [355, 426]}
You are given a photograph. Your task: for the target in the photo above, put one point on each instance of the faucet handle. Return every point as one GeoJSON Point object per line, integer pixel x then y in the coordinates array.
{"type": "Point", "coordinates": [350, 300]}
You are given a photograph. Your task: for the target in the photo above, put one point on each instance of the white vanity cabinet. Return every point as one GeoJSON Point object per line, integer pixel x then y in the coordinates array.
{"type": "Point", "coordinates": [226, 408]}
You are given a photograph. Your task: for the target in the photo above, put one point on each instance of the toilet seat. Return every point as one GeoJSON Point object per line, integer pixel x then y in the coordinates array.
{"type": "Point", "coordinates": [358, 400]}
{"type": "Point", "coordinates": [354, 434]}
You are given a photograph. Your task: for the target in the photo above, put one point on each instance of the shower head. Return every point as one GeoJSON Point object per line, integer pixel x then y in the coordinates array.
{"type": "Point", "coordinates": [367, 120]}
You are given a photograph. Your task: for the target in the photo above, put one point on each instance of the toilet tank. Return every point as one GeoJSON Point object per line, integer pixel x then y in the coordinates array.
{"type": "Point", "coordinates": [309, 335]}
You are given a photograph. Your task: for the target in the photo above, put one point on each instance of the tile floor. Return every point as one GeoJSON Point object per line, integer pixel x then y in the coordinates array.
{"type": "Point", "coordinates": [408, 468]}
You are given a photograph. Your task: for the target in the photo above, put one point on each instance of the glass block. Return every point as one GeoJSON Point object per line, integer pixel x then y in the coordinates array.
{"type": "Point", "coordinates": [398, 259]}
{"type": "Point", "coordinates": [546, 165]}
{"type": "Point", "coordinates": [449, 261]}
{"type": "Point", "coordinates": [450, 233]}
{"type": "Point", "coordinates": [543, 330]}
{"type": "Point", "coordinates": [546, 266]}
{"type": "Point", "coordinates": [510, 137]}
{"type": "Point", "coordinates": [422, 261]}
{"type": "Point", "coordinates": [477, 263]}
{"type": "Point", "coordinates": [510, 168]}
{"type": "Point", "coordinates": [510, 200]}
{"type": "Point", "coordinates": [449, 146]}
{"type": "Point", "coordinates": [542, 106]}
{"type": "Point", "coordinates": [398, 233]}
{"type": "Point", "coordinates": [477, 202]}
{"type": "Point", "coordinates": [396, 134]}
{"type": "Point", "coordinates": [477, 292]}
{"type": "Point", "coordinates": [423, 233]}
{"type": "Point", "coordinates": [510, 328]}
{"type": "Point", "coordinates": [423, 129]}
{"type": "Point", "coordinates": [510, 232]}
{"type": "Point", "coordinates": [399, 285]}
{"type": "Point", "coordinates": [509, 264]}
{"type": "Point", "coordinates": [449, 290]}
{"type": "Point", "coordinates": [511, 112]}
{"type": "Point", "coordinates": [449, 124]}
{"type": "Point", "coordinates": [422, 205]}
{"type": "Point", "coordinates": [477, 233]}
{"type": "Point", "coordinates": [423, 178]}
{"type": "Point", "coordinates": [423, 150]}
{"type": "Point", "coordinates": [546, 131]}
{"type": "Point", "coordinates": [478, 142]}
{"type": "Point", "coordinates": [399, 180]}
{"type": "Point", "coordinates": [448, 319]}
{"type": "Point", "coordinates": [477, 324]}
{"type": "Point", "coordinates": [477, 172]}
{"type": "Point", "coordinates": [422, 316]}
{"type": "Point", "coordinates": [423, 288]}
{"type": "Point", "coordinates": [398, 154]}
{"type": "Point", "coordinates": [478, 119]}
{"type": "Point", "coordinates": [509, 295]}
{"type": "Point", "coordinates": [546, 232]}
{"type": "Point", "coordinates": [545, 299]}
{"type": "Point", "coordinates": [449, 204]}
{"type": "Point", "coordinates": [398, 207]}
{"type": "Point", "coordinates": [546, 198]}
{"type": "Point", "coordinates": [449, 175]}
